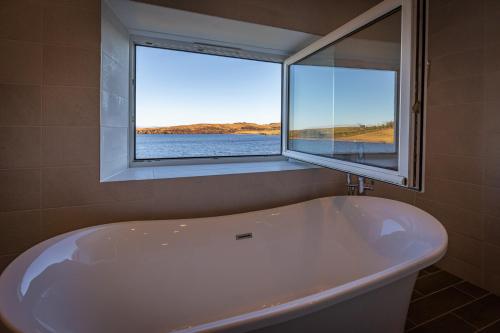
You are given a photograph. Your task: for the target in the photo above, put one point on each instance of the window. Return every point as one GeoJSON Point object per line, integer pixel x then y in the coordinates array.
{"type": "Point", "coordinates": [198, 105]}
{"type": "Point", "coordinates": [351, 101]}
{"type": "Point", "coordinates": [353, 98]}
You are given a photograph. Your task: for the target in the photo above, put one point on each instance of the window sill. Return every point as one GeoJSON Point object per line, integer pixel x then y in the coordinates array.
{"type": "Point", "coordinates": [203, 170]}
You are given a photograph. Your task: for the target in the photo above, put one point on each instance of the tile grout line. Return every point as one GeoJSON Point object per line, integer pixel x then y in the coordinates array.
{"type": "Point", "coordinates": [465, 321]}
{"type": "Point", "coordinates": [444, 288]}
{"type": "Point", "coordinates": [448, 312]}
{"type": "Point", "coordinates": [489, 325]}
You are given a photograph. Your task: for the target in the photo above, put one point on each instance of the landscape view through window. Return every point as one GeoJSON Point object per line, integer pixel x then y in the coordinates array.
{"type": "Point", "coordinates": [198, 105]}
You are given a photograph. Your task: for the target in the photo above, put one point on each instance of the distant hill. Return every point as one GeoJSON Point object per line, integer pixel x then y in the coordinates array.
{"type": "Point", "coordinates": [236, 128]}
{"type": "Point", "coordinates": [375, 133]}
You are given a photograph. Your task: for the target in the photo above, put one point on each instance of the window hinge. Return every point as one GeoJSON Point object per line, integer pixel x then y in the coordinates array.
{"type": "Point", "coordinates": [416, 107]}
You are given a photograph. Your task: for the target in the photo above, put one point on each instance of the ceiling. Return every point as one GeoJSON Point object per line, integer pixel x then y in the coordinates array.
{"type": "Point", "coordinates": [317, 17]}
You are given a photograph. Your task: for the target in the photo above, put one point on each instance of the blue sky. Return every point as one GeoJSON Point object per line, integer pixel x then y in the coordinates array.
{"type": "Point", "coordinates": [180, 88]}
{"type": "Point", "coordinates": [344, 96]}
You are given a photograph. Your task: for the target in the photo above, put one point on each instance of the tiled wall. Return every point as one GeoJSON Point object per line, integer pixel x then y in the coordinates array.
{"type": "Point", "coordinates": [463, 137]}
{"type": "Point", "coordinates": [49, 130]}
{"type": "Point", "coordinates": [49, 139]}
{"type": "Point", "coordinates": [114, 94]}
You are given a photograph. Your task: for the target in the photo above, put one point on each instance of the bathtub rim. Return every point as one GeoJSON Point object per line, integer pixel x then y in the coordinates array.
{"type": "Point", "coordinates": [276, 314]}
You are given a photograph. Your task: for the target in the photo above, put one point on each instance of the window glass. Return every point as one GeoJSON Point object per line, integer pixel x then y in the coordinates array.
{"type": "Point", "coordinates": [343, 99]}
{"type": "Point", "coordinates": [199, 105]}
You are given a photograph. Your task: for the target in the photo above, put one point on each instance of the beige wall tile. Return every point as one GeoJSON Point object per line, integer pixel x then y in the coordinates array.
{"type": "Point", "coordinates": [19, 147]}
{"type": "Point", "coordinates": [20, 62]}
{"type": "Point", "coordinates": [491, 256]}
{"type": "Point", "coordinates": [20, 189]}
{"type": "Point", "coordinates": [21, 20]}
{"type": "Point", "coordinates": [19, 230]}
{"type": "Point", "coordinates": [492, 58]}
{"type": "Point", "coordinates": [70, 66]}
{"type": "Point", "coordinates": [451, 167]}
{"type": "Point", "coordinates": [60, 220]}
{"type": "Point", "coordinates": [456, 38]}
{"type": "Point", "coordinates": [491, 131]}
{"type": "Point", "coordinates": [454, 218]}
{"type": "Point", "coordinates": [462, 269]}
{"type": "Point", "coordinates": [465, 248]}
{"type": "Point", "coordinates": [491, 84]}
{"type": "Point", "coordinates": [456, 65]}
{"type": "Point", "coordinates": [20, 105]}
{"type": "Point", "coordinates": [491, 201]}
{"type": "Point", "coordinates": [70, 106]}
{"type": "Point", "coordinates": [87, 4]}
{"type": "Point", "coordinates": [222, 195]}
{"type": "Point", "coordinates": [462, 195]}
{"type": "Point", "coordinates": [446, 13]}
{"type": "Point", "coordinates": [393, 192]}
{"type": "Point", "coordinates": [491, 22]}
{"type": "Point", "coordinates": [492, 230]}
{"type": "Point", "coordinates": [78, 186]}
{"type": "Point", "coordinates": [456, 91]}
{"type": "Point", "coordinates": [73, 26]}
{"type": "Point", "coordinates": [492, 171]}
{"type": "Point", "coordinates": [63, 146]}
{"type": "Point", "coordinates": [455, 130]}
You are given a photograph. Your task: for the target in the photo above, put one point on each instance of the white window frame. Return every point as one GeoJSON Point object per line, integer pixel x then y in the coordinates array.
{"type": "Point", "coordinates": [410, 94]}
{"type": "Point", "coordinates": [202, 48]}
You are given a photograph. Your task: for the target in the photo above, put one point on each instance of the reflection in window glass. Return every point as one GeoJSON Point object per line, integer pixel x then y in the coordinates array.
{"type": "Point", "coordinates": [343, 99]}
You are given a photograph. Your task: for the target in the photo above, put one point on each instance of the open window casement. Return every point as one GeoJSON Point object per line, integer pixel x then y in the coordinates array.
{"type": "Point", "coordinates": [353, 99]}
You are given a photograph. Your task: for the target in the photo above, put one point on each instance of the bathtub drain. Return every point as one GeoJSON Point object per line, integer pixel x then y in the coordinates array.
{"type": "Point", "coordinates": [244, 236]}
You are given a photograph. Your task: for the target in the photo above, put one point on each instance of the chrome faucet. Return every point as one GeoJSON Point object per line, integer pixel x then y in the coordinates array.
{"type": "Point", "coordinates": [360, 187]}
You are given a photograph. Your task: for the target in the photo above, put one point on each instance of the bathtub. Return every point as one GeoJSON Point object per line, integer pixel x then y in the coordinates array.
{"type": "Point", "coordinates": [335, 264]}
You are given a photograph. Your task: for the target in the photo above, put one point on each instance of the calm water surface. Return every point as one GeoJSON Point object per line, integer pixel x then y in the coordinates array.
{"type": "Point", "coordinates": [150, 146]}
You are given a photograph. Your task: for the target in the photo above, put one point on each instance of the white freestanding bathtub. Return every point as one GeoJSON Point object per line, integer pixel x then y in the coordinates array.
{"type": "Point", "coordinates": [336, 264]}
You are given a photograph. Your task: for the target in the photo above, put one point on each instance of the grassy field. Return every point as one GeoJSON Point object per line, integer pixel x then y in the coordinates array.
{"type": "Point", "coordinates": [236, 128]}
{"type": "Point", "coordinates": [379, 134]}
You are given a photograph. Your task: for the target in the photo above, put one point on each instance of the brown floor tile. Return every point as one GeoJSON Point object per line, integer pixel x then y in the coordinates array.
{"type": "Point", "coordinates": [482, 312]}
{"type": "Point", "coordinates": [422, 273]}
{"type": "Point", "coordinates": [431, 269]}
{"type": "Point", "coordinates": [416, 294]}
{"type": "Point", "coordinates": [495, 328]}
{"type": "Point", "coordinates": [434, 282]}
{"type": "Point", "coordinates": [471, 289]}
{"type": "Point", "coordinates": [409, 325]}
{"type": "Point", "coordinates": [448, 323]}
{"type": "Point", "coordinates": [436, 304]}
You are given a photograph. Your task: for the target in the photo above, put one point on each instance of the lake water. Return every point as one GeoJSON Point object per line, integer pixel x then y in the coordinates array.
{"type": "Point", "coordinates": [150, 146]}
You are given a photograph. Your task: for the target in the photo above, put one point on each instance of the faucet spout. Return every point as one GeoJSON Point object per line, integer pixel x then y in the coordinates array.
{"type": "Point", "coordinates": [359, 188]}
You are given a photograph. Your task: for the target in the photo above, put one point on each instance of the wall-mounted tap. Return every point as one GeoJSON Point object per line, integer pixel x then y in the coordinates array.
{"type": "Point", "coordinates": [360, 187]}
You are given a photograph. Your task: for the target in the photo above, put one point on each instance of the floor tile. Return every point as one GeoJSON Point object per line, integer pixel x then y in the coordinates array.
{"type": "Point", "coordinates": [434, 282]}
{"type": "Point", "coordinates": [495, 328]}
{"type": "Point", "coordinates": [422, 273]}
{"type": "Point", "coordinates": [448, 323]}
{"type": "Point", "coordinates": [409, 325]}
{"type": "Point", "coordinates": [471, 289]}
{"type": "Point", "coordinates": [431, 269]}
{"type": "Point", "coordinates": [482, 312]}
{"type": "Point", "coordinates": [436, 304]}
{"type": "Point", "coordinates": [416, 294]}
